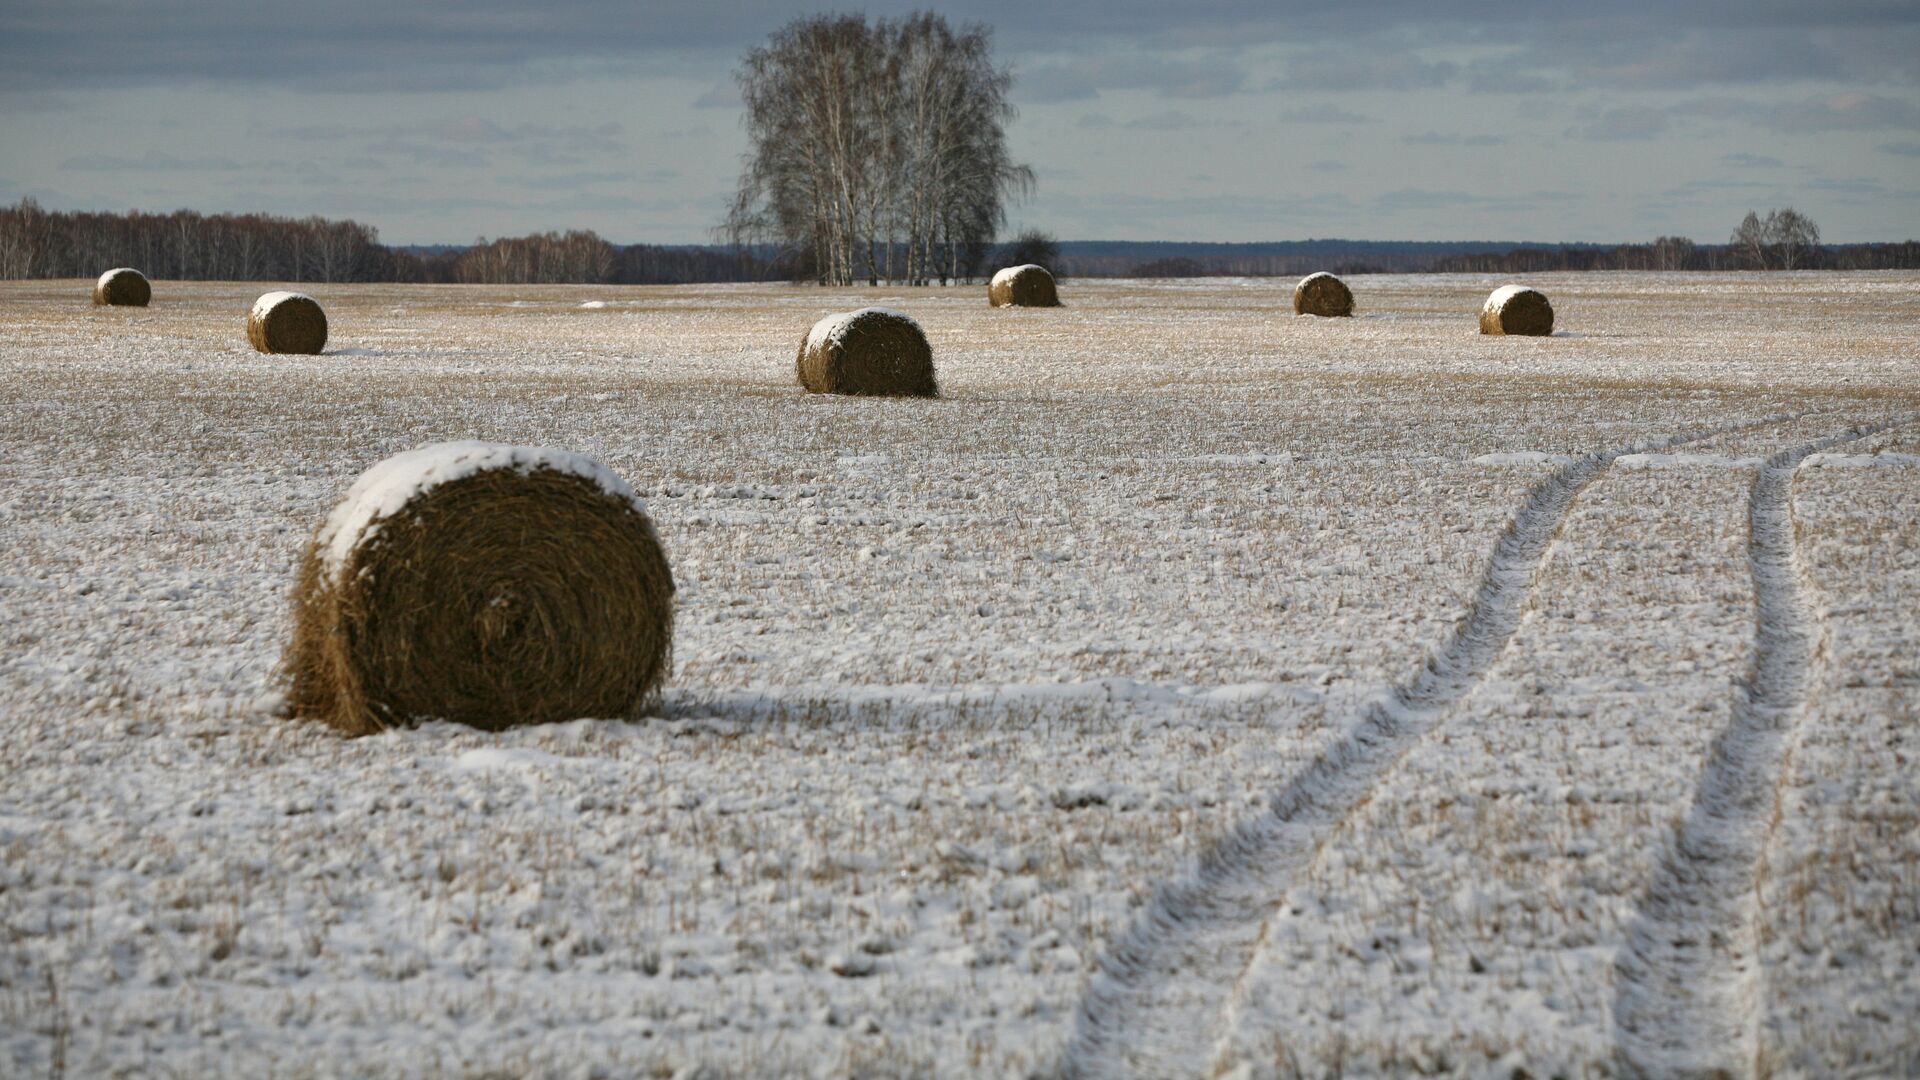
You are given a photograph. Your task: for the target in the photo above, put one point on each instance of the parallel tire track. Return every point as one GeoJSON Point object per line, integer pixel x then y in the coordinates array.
{"type": "Point", "coordinates": [1156, 1005]}
{"type": "Point", "coordinates": [1687, 995]}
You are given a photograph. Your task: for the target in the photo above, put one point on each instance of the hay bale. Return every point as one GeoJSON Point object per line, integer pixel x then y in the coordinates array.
{"type": "Point", "coordinates": [487, 584]}
{"type": "Point", "coordinates": [871, 351]}
{"type": "Point", "coordinates": [287, 322]}
{"type": "Point", "coordinates": [1030, 285]}
{"type": "Point", "coordinates": [122, 287]}
{"type": "Point", "coordinates": [1322, 294]}
{"type": "Point", "coordinates": [1516, 309]}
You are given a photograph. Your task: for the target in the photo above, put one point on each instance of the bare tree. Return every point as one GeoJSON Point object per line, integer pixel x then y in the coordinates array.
{"type": "Point", "coordinates": [1794, 237]}
{"type": "Point", "coordinates": [24, 232]}
{"type": "Point", "coordinates": [1785, 239]}
{"type": "Point", "coordinates": [579, 257]}
{"type": "Point", "coordinates": [875, 150]}
{"type": "Point", "coordinates": [1672, 253]}
{"type": "Point", "coordinates": [1032, 246]}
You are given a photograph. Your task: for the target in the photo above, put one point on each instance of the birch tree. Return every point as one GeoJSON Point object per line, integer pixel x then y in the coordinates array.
{"type": "Point", "coordinates": [876, 150]}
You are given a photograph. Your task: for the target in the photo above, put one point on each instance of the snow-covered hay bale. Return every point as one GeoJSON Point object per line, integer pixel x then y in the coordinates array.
{"type": "Point", "coordinates": [1322, 294]}
{"type": "Point", "coordinates": [122, 287]}
{"type": "Point", "coordinates": [871, 351]}
{"type": "Point", "coordinates": [287, 322]}
{"type": "Point", "coordinates": [487, 584]}
{"type": "Point", "coordinates": [1030, 285]}
{"type": "Point", "coordinates": [1516, 309]}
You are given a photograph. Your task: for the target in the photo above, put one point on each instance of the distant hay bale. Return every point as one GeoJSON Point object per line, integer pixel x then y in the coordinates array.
{"type": "Point", "coordinates": [1516, 309]}
{"type": "Point", "coordinates": [287, 322]}
{"type": "Point", "coordinates": [122, 287]}
{"type": "Point", "coordinates": [873, 351]}
{"type": "Point", "coordinates": [490, 585]}
{"type": "Point", "coordinates": [1030, 285]}
{"type": "Point", "coordinates": [1322, 294]}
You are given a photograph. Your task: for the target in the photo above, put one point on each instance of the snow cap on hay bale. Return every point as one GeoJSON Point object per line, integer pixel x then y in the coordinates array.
{"type": "Point", "coordinates": [870, 351]}
{"type": "Point", "coordinates": [1322, 294]}
{"type": "Point", "coordinates": [487, 584]}
{"type": "Point", "coordinates": [1516, 309]}
{"type": "Point", "coordinates": [1030, 285]}
{"type": "Point", "coordinates": [287, 322]}
{"type": "Point", "coordinates": [122, 287]}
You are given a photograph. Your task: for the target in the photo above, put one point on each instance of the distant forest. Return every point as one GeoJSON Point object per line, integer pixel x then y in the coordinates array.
{"type": "Point", "coordinates": [185, 245]}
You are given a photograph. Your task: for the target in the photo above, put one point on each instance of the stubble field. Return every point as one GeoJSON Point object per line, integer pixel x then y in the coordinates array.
{"type": "Point", "coordinates": [1193, 688]}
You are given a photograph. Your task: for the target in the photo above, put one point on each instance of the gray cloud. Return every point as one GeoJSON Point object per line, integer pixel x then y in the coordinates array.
{"type": "Point", "coordinates": [1857, 185]}
{"type": "Point", "coordinates": [151, 161]}
{"type": "Point", "coordinates": [420, 152]}
{"type": "Point", "coordinates": [1166, 121]}
{"type": "Point", "coordinates": [1685, 79]}
{"type": "Point", "coordinates": [1162, 217]}
{"type": "Point", "coordinates": [1427, 199]}
{"type": "Point", "coordinates": [1363, 69]}
{"type": "Point", "coordinates": [1435, 138]}
{"type": "Point", "coordinates": [721, 95]}
{"type": "Point", "coordinates": [1629, 122]}
{"type": "Point", "coordinates": [1173, 78]}
{"type": "Point", "coordinates": [53, 45]}
{"type": "Point", "coordinates": [1509, 74]}
{"type": "Point", "coordinates": [1321, 114]}
{"type": "Point", "coordinates": [1853, 111]}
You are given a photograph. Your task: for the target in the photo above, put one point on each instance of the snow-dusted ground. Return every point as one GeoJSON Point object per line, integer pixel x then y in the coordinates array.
{"type": "Point", "coordinates": [961, 684]}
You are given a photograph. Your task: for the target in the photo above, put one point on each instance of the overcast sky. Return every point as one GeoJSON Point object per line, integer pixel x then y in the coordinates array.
{"type": "Point", "coordinates": [1422, 119]}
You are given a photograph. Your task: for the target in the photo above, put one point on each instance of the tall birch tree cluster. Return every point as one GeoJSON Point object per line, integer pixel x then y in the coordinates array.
{"type": "Point", "coordinates": [877, 149]}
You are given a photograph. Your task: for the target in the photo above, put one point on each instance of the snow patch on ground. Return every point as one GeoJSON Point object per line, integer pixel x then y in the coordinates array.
{"type": "Point", "coordinates": [1685, 461]}
{"type": "Point", "coordinates": [1524, 457]}
{"type": "Point", "coordinates": [1883, 460]}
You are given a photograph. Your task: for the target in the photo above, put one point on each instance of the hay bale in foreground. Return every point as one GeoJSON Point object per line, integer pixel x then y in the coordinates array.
{"type": "Point", "coordinates": [1028, 285]}
{"type": "Point", "coordinates": [1516, 309]}
{"type": "Point", "coordinates": [1322, 294]}
{"type": "Point", "coordinates": [873, 351]}
{"type": "Point", "coordinates": [487, 584]}
{"type": "Point", "coordinates": [122, 287]}
{"type": "Point", "coordinates": [287, 322]}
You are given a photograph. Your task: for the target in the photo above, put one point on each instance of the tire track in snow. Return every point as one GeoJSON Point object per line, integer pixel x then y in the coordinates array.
{"type": "Point", "coordinates": [1687, 996]}
{"type": "Point", "coordinates": [1158, 1002]}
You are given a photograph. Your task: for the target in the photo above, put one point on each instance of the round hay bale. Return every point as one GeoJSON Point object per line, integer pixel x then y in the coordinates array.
{"type": "Point", "coordinates": [122, 287]}
{"type": "Point", "coordinates": [490, 585]}
{"type": "Point", "coordinates": [1030, 285]}
{"type": "Point", "coordinates": [287, 322]}
{"type": "Point", "coordinates": [873, 351]}
{"type": "Point", "coordinates": [1516, 309]}
{"type": "Point", "coordinates": [1322, 294]}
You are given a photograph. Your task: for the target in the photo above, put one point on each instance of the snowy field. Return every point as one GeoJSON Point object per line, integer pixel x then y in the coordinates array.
{"type": "Point", "coordinates": [1193, 689]}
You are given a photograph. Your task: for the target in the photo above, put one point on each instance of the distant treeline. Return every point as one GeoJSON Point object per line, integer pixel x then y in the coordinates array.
{"type": "Point", "coordinates": [583, 257]}
{"type": "Point", "coordinates": [185, 245]}
{"type": "Point", "coordinates": [189, 246]}
{"type": "Point", "coordinates": [1285, 258]}
{"type": "Point", "coordinates": [1294, 258]}
{"type": "Point", "coordinates": [1667, 254]}
{"type": "Point", "coordinates": [36, 243]}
